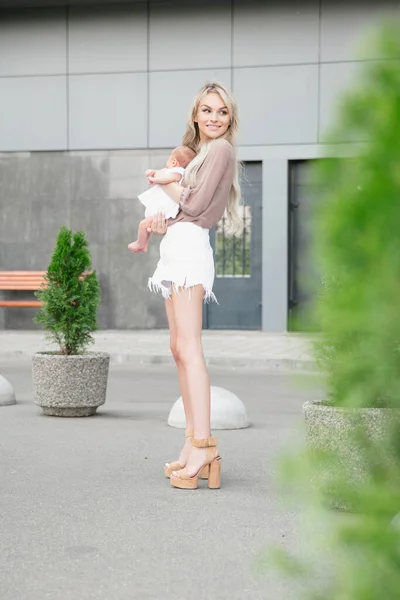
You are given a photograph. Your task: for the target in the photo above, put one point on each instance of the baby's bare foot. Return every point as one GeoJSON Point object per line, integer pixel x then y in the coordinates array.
{"type": "Point", "coordinates": [136, 247]}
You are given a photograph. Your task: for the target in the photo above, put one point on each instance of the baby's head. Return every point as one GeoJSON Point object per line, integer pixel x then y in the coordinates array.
{"type": "Point", "coordinates": [180, 157]}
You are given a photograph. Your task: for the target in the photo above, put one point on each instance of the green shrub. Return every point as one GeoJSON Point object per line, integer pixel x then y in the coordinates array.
{"type": "Point", "coordinates": [358, 247]}
{"type": "Point", "coordinates": [358, 242]}
{"type": "Point", "coordinates": [71, 294]}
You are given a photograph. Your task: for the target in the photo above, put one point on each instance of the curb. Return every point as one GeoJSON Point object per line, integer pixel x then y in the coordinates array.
{"type": "Point", "coordinates": [227, 362]}
{"type": "Point", "coordinates": [233, 362]}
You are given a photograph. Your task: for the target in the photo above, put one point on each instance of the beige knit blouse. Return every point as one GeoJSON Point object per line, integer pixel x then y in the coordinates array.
{"type": "Point", "coordinates": [205, 203]}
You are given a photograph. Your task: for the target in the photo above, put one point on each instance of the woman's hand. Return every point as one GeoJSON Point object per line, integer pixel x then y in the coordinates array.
{"type": "Point", "coordinates": [159, 225]}
{"type": "Point", "coordinates": [161, 177]}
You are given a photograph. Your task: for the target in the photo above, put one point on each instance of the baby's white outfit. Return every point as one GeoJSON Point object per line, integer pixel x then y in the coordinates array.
{"type": "Point", "coordinates": [156, 200]}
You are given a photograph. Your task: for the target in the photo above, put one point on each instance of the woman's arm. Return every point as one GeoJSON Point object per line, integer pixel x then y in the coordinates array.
{"type": "Point", "coordinates": [168, 180]}
{"type": "Point", "coordinates": [174, 191]}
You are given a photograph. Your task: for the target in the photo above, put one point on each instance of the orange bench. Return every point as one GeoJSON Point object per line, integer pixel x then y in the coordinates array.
{"type": "Point", "coordinates": [21, 280]}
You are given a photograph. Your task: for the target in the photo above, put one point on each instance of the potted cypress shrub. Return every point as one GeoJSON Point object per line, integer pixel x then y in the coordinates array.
{"type": "Point", "coordinates": [353, 433]}
{"type": "Point", "coordinates": [70, 382]}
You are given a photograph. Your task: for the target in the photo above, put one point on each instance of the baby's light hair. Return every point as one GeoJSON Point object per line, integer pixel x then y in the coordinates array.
{"type": "Point", "coordinates": [184, 155]}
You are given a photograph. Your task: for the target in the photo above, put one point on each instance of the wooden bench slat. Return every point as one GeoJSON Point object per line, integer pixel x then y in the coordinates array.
{"type": "Point", "coordinates": [23, 272]}
{"type": "Point", "coordinates": [12, 279]}
{"type": "Point", "coordinates": [22, 280]}
{"type": "Point", "coordinates": [13, 274]}
{"type": "Point", "coordinates": [10, 288]}
{"type": "Point", "coordinates": [22, 303]}
{"type": "Point", "coordinates": [21, 277]}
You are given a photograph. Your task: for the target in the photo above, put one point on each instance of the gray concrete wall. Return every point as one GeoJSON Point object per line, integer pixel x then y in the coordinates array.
{"type": "Point", "coordinates": [87, 94]}
{"type": "Point", "coordinates": [122, 77]}
{"type": "Point", "coordinates": [93, 191]}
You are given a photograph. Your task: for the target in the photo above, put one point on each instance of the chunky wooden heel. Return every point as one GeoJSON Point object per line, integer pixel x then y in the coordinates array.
{"type": "Point", "coordinates": [214, 477]}
{"type": "Point", "coordinates": [176, 466]}
{"type": "Point", "coordinates": [182, 480]}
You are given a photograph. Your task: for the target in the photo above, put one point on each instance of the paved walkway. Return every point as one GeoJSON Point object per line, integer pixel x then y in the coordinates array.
{"type": "Point", "coordinates": [87, 514]}
{"type": "Point", "coordinates": [222, 348]}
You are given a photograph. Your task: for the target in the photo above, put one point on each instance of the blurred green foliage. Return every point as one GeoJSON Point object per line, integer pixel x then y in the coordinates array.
{"type": "Point", "coordinates": [358, 241]}
{"type": "Point", "coordinates": [357, 227]}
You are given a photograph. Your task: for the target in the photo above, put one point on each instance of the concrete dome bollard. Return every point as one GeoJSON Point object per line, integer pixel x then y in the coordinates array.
{"type": "Point", "coordinates": [227, 411]}
{"type": "Point", "coordinates": [7, 394]}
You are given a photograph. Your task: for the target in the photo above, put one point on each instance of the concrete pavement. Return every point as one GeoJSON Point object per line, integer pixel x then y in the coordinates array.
{"type": "Point", "coordinates": [87, 515]}
{"type": "Point", "coordinates": [237, 349]}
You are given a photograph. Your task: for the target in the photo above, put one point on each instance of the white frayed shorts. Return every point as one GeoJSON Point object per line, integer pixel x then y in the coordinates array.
{"type": "Point", "coordinates": [186, 260]}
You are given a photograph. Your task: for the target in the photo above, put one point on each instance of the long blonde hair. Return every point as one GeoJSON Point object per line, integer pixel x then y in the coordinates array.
{"type": "Point", "coordinates": [233, 219]}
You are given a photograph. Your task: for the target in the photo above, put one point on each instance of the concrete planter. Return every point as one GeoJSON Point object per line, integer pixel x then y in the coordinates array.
{"type": "Point", "coordinates": [334, 430]}
{"type": "Point", "coordinates": [70, 386]}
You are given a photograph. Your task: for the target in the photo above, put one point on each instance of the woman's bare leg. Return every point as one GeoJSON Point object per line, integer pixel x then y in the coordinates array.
{"type": "Point", "coordinates": [188, 317]}
{"type": "Point", "coordinates": [182, 381]}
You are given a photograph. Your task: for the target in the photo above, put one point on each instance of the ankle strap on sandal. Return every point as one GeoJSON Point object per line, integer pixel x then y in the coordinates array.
{"type": "Point", "coordinates": [210, 442]}
{"type": "Point", "coordinates": [189, 432]}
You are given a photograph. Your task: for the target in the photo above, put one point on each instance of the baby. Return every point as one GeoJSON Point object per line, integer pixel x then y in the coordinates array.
{"type": "Point", "coordinates": [156, 200]}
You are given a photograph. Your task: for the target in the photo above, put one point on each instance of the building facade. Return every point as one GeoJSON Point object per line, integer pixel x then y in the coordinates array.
{"type": "Point", "coordinates": [92, 94]}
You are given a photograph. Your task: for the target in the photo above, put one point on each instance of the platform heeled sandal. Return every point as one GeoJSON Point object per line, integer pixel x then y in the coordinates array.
{"type": "Point", "coordinates": [176, 466]}
{"type": "Point", "coordinates": [181, 479]}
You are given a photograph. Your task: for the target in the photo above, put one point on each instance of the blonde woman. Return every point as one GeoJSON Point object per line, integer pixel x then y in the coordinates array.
{"type": "Point", "coordinates": [185, 271]}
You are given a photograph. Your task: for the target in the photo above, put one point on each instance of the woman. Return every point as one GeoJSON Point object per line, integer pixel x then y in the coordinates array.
{"type": "Point", "coordinates": [185, 272]}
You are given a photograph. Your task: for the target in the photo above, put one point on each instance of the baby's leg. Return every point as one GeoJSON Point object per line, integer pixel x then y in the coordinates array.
{"type": "Point", "coordinates": [142, 242]}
